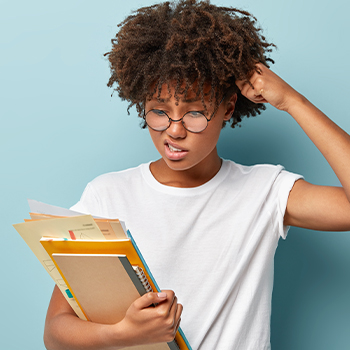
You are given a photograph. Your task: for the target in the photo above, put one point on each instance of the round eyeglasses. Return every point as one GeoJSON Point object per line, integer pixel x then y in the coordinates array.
{"type": "Point", "coordinates": [192, 121]}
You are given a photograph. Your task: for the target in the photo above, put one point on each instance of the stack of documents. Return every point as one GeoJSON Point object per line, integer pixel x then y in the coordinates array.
{"type": "Point", "coordinates": [95, 263]}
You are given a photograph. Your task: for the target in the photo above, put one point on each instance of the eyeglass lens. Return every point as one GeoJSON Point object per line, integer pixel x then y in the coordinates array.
{"type": "Point", "coordinates": [192, 121]}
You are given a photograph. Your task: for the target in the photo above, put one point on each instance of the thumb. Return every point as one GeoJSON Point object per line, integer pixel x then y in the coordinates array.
{"type": "Point", "coordinates": [149, 299]}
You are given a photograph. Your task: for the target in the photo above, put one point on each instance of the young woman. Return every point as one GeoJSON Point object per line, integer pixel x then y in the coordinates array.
{"type": "Point", "coordinates": [208, 228]}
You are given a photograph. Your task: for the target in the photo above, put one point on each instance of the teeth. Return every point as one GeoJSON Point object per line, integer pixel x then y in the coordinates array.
{"type": "Point", "coordinates": [173, 149]}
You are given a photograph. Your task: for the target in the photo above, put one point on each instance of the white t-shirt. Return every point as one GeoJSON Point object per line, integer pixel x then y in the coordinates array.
{"type": "Point", "coordinates": [213, 245]}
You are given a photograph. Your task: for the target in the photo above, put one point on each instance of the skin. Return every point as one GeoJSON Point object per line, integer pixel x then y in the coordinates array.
{"type": "Point", "coordinates": [309, 206]}
{"type": "Point", "coordinates": [199, 161]}
{"type": "Point", "coordinates": [142, 324]}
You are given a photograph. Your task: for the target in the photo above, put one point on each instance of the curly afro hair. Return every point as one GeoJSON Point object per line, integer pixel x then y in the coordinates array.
{"type": "Point", "coordinates": [187, 41]}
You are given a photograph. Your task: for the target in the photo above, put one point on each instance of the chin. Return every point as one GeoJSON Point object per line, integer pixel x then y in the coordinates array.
{"type": "Point", "coordinates": [178, 165]}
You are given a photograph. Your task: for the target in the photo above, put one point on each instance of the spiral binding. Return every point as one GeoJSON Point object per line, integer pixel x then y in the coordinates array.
{"type": "Point", "coordinates": [142, 277]}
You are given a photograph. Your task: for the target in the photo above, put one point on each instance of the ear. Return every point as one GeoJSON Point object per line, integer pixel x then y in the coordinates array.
{"type": "Point", "coordinates": [230, 106]}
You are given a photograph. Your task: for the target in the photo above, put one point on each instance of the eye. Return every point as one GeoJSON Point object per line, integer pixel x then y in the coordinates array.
{"type": "Point", "coordinates": [158, 112]}
{"type": "Point", "coordinates": [195, 114]}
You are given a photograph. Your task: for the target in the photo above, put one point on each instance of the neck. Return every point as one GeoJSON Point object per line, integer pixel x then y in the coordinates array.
{"type": "Point", "coordinates": [192, 177]}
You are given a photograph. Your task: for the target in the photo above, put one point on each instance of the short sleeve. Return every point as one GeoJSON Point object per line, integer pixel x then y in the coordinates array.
{"type": "Point", "coordinates": [282, 186]}
{"type": "Point", "coordinates": [88, 203]}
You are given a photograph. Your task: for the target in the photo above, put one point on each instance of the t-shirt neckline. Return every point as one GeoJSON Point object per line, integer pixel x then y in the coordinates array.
{"type": "Point", "coordinates": [181, 191]}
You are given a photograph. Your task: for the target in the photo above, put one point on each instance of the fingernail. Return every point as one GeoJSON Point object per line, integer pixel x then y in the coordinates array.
{"type": "Point", "coordinates": [161, 295]}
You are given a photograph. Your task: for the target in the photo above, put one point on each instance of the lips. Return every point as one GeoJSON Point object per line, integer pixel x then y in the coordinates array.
{"type": "Point", "coordinates": [174, 151]}
{"type": "Point", "coordinates": [174, 147]}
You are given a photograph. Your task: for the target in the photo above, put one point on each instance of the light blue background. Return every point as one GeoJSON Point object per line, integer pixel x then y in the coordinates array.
{"type": "Point", "coordinates": [60, 128]}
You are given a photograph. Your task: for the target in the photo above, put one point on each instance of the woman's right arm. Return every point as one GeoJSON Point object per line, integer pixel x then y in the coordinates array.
{"type": "Point", "coordinates": [142, 324]}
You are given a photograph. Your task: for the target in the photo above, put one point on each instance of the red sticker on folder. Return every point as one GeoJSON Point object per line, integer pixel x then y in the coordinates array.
{"type": "Point", "coordinates": [72, 235]}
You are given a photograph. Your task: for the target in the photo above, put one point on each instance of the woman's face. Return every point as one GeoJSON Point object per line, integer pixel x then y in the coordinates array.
{"type": "Point", "coordinates": [179, 148]}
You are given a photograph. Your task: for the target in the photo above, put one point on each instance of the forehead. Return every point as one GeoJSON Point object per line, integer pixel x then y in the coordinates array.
{"type": "Point", "coordinates": [193, 92]}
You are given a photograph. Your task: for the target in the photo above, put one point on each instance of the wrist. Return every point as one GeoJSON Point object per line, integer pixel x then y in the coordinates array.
{"type": "Point", "coordinates": [296, 102]}
{"type": "Point", "coordinates": [113, 337]}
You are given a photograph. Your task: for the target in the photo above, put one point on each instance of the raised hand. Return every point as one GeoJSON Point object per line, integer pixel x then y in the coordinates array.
{"type": "Point", "coordinates": [309, 206]}
{"type": "Point", "coordinates": [266, 86]}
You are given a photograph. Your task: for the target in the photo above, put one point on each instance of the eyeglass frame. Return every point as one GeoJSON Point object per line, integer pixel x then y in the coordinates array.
{"type": "Point", "coordinates": [181, 119]}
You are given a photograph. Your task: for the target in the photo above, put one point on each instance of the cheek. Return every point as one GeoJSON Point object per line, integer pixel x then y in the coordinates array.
{"type": "Point", "coordinates": [156, 138]}
{"type": "Point", "coordinates": [213, 133]}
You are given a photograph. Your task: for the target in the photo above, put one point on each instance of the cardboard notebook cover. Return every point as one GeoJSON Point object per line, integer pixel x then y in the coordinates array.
{"type": "Point", "coordinates": [104, 286]}
{"type": "Point", "coordinates": [98, 271]}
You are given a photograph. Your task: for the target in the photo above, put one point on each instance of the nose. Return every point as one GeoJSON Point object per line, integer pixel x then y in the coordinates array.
{"type": "Point", "coordinates": [176, 130]}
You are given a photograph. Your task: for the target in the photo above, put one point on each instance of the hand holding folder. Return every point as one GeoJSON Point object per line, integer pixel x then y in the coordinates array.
{"type": "Point", "coordinates": [101, 274]}
{"type": "Point", "coordinates": [114, 292]}
{"type": "Point", "coordinates": [153, 316]}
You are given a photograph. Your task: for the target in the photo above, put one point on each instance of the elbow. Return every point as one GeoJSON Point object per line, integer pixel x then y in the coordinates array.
{"type": "Point", "coordinates": [48, 341]}
{"type": "Point", "coordinates": [50, 338]}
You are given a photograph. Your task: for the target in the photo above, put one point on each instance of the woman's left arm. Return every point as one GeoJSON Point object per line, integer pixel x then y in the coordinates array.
{"type": "Point", "coordinates": [309, 206]}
